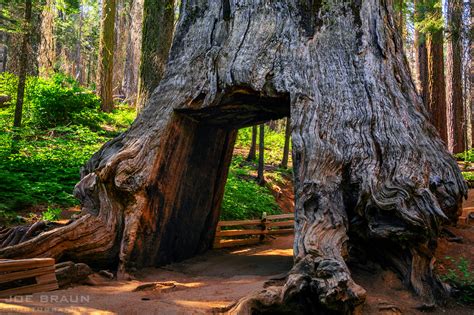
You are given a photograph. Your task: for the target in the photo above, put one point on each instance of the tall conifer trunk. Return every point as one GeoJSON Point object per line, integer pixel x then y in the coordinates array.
{"type": "Point", "coordinates": [157, 35]}
{"type": "Point", "coordinates": [106, 55]}
{"type": "Point", "coordinates": [454, 88]}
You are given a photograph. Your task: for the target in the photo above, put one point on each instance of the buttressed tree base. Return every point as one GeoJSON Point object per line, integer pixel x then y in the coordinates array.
{"type": "Point", "coordinates": [372, 178]}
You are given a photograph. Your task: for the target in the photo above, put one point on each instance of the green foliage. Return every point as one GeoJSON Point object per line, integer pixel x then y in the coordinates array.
{"type": "Point", "coordinates": [60, 101]}
{"type": "Point", "coordinates": [46, 168]}
{"type": "Point", "coordinates": [243, 197]}
{"type": "Point", "coordinates": [429, 18]}
{"type": "Point", "coordinates": [274, 143]}
{"type": "Point", "coordinates": [52, 214]}
{"type": "Point", "coordinates": [461, 277]}
{"type": "Point", "coordinates": [52, 102]}
{"type": "Point", "coordinates": [469, 176]}
{"type": "Point", "coordinates": [467, 156]}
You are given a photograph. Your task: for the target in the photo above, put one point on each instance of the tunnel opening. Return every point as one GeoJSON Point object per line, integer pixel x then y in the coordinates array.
{"type": "Point", "coordinates": [203, 140]}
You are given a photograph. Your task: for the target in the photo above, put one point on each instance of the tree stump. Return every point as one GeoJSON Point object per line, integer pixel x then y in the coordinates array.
{"type": "Point", "coordinates": [372, 177]}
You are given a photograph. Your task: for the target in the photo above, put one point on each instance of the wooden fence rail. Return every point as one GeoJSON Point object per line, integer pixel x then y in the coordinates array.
{"type": "Point", "coordinates": [26, 276]}
{"type": "Point", "coordinates": [246, 232]}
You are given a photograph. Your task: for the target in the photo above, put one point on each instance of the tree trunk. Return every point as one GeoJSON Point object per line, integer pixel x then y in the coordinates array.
{"type": "Point", "coordinates": [4, 55]}
{"type": "Point", "coordinates": [455, 105]}
{"type": "Point", "coordinates": [421, 54]}
{"type": "Point", "coordinates": [372, 178]}
{"type": "Point", "coordinates": [122, 26]}
{"type": "Point", "coordinates": [4, 58]}
{"type": "Point", "coordinates": [106, 55]}
{"type": "Point", "coordinates": [157, 35]}
{"type": "Point", "coordinates": [23, 64]}
{"type": "Point", "coordinates": [471, 72]}
{"type": "Point", "coordinates": [436, 82]}
{"type": "Point", "coordinates": [132, 60]}
{"type": "Point", "coordinates": [253, 145]}
{"type": "Point", "coordinates": [78, 54]}
{"type": "Point", "coordinates": [47, 51]}
{"type": "Point", "coordinates": [286, 147]}
{"type": "Point", "coordinates": [261, 155]}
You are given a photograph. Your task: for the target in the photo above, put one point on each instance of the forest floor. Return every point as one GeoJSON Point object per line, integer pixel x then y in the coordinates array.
{"type": "Point", "coordinates": [212, 282]}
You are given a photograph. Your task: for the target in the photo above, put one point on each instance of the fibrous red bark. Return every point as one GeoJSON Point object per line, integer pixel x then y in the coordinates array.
{"type": "Point", "coordinates": [371, 175]}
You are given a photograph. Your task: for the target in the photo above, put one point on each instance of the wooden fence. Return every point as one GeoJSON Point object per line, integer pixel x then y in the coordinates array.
{"type": "Point", "coordinates": [245, 232]}
{"type": "Point", "coordinates": [26, 276]}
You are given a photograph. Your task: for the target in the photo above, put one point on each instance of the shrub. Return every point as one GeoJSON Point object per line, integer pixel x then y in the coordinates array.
{"type": "Point", "coordinates": [274, 143]}
{"type": "Point", "coordinates": [461, 277]}
{"type": "Point", "coordinates": [467, 156]}
{"type": "Point", "coordinates": [51, 102]}
{"type": "Point", "coordinates": [52, 214]}
{"type": "Point", "coordinates": [243, 197]}
{"type": "Point", "coordinates": [60, 101]}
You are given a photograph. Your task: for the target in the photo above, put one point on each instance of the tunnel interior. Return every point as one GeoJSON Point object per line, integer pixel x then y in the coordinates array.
{"type": "Point", "coordinates": [203, 139]}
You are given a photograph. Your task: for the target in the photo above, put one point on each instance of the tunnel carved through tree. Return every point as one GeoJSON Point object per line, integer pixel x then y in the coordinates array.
{"type": "Point", "coordinates": [372, 178]}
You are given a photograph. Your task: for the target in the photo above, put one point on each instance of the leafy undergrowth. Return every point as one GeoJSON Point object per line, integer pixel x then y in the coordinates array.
{"type": "Point", "coordinates": [243, 197]}
{"type": "Point", "coordinates": [460, 275]}
{"type": "Point", "coordinates": [469, 176]}
{"type": "Point", "coordinates": [467, 156]}
{"type": "Point", "coordinates": [274, 143]}
{"type": "Point", "coordinates": [62, 128]}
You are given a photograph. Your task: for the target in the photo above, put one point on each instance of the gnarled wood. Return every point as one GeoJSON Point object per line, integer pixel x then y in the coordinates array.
{"type": "Point", "coordinates": [370, 171]}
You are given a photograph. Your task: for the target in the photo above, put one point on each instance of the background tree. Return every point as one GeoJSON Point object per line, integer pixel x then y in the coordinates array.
{"type": "Point", "coordinates": [134, 43]}
{"type": "Point", "coordinates": [421, 53]}
{"type": "Point", "coordinates": [157, 35]}
{"type": "Point", "coordinates": [4, 51]}
{"type": "Point", "coordinates": [47, 51]}
{"type": "Point", "coordinates": [106, 55]}
{"type": "Point", "coordinates": [286, 148]}
{"type": "Point", "coordinates": [430, 23]}
{"type": "Point", "coordinates": [454, 86]}
{"type": "Point", "coordinates": [23, 62]}
{"type": "Point", "coordinates": [261, 155]}
{"type": "Point", "coordinates": [253, 145]}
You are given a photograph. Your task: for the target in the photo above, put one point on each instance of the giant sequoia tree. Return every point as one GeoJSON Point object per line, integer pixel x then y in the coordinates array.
{"type": "Point", "coordinates": [372, 178]}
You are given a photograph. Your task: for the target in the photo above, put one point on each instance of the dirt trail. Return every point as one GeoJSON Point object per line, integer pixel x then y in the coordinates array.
{"type": "Point", "coordinates": [215, 280]}
{"type": "Point", "coordinates": [201, 285]}
{"type": "Point", "coordinates": [209, 283]}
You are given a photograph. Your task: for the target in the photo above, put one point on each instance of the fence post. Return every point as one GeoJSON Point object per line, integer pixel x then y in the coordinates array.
{"type": "Point", "coordinates": [264, 226]}
{"type": "Point", "coordinates": [217, 237]}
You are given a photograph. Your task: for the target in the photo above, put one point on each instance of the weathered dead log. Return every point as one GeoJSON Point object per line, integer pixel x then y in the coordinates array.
{"type": "Point", "coordinates": [371, 175]}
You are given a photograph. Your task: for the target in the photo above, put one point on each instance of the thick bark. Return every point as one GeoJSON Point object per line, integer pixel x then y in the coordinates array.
{"type": "Point", "coordinates": [454, 89]}
{"type": "Point", "coordinates": [261, 155]}
{"type": "Point", "coordinates": [132, 60]}
{"type": "Point", "coordinates": [436, 83]}
{"type": "Point", "coordinates": [286, 147]}
{"type": "Point", "coordinates": [106, 55]}
{"type": "Point", "coordinates": [421, 55]}
{"type": "Point", "coordinates": [122, 27]}
{"type": "Point", "coordinates": [157, 36]}
{"type": "Point", "coordinates": [4, 55]}
{"type": "Point", "coordinates": [23, 63]}
{"type": "Point", "coordinates": [370, 171]}
{"type": "Point", "coordinates": [471, 73]}
{"type": "Point", "coordinates": [47, 49]}
{"type": "Point", "coordinates": [78, 73]}
{"type": "Point", "coordinates": [253, 145]}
